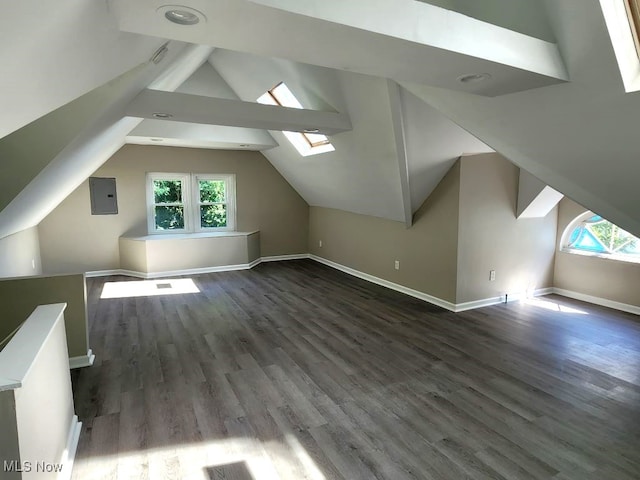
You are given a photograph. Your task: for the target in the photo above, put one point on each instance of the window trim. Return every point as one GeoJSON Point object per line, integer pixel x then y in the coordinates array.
{"type": "Point", "coordinates": [191, 202]}
{"type": "Point", "coordinates": [308, 146]}
{"type": "Point", "coordinates": [633, 13]}
{"type": "Point", "coordinates": [230, 190]}
{"type": "Point", "coordinates": [566, 235]}
{"type": "Point", "coordinates": [622, 25]}
{"type": "Point", "coordinates": [151, 204]}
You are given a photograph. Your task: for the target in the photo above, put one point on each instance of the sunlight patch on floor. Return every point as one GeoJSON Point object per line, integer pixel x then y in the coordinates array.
{"type": "Point", "coordinates": [553, 306]}
{"type": "Point", "coordinates": [244, 458]}
{"type": "Point", "coordinates": [148, 288]}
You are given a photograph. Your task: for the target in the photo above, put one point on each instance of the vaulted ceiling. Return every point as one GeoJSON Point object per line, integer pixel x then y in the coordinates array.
{"type": "Point", "coordinates": [382, 80]}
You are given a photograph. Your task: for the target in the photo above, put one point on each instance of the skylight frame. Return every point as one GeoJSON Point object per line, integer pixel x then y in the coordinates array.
{"type": "Point", "coordinates": [623, 24]}
{"type": "Point", "coordinates": [633, 13]}
{"type": "Point", "coordinates": [282, 96]}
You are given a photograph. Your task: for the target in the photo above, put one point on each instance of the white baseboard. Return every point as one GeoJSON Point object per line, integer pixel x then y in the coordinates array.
{"type": "Point", "coordinates": [453, 307]}
{"type": "Point", "coordinates": [386, 283]}
{"type": "Point", "coordinates": [195, 271]}
{"type": "Point", "coordinates": [278, 258]}
{"type": "Point", "coordinates": [625, 307]}
{"type": "Point", "coordinates": [82, 361]}
{"type": "Point", "coordinates": [69, 453]}
{"type": "Point", "coordinates": [103, 273]}
{"type": "Point", "coordinates": [509, 297]}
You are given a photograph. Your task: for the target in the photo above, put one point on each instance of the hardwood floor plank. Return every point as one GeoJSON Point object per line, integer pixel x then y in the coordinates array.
{"type": "Point", "coordinates": [293, 370]}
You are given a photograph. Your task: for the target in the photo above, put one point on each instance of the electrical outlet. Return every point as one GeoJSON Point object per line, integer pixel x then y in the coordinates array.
{"type": "Point", "coordinates": [396, 264]}
{"type": "Point", "coordinates": [33, 263]}
{"type": "Point", "coordinates": [492, 275]}
{"type": "Point", "coordinates": [320, 243]}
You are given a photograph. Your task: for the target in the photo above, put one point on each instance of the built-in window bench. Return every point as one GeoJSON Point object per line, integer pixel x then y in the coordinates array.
{"type": "Point", "coordinates": [188, 253]}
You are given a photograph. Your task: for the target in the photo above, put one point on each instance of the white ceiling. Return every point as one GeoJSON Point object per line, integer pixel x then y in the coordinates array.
{"type": "Point", "coordinates": [581, 137]}
{"type": "Point", "coordinates": [578, 136]}
{"type": "Point", "coordinates": [54, 52]}
{"type": "Point", "coordinates": [398, 39]}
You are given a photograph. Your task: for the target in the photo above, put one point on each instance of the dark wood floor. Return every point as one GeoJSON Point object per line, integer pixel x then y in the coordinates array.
{"type": "Point", "coordinates": [293, 370]}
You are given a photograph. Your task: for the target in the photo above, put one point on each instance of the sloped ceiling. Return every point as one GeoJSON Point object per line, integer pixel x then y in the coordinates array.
{"type": "Point", "coordinates": [398, 39]}
{"type": "Point", "coordinates": [581, 137]}
{"type": "Point", "coordinates": [361, 175]}
{"type": "Point", "coordinates": [578, 136]}
{"type": "Point", "coordinates": [433, 144]}
{"type": "Point", "coordinates": [54, 52]}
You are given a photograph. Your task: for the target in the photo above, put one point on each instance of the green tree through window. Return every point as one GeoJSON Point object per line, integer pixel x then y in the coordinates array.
{"type": "Point", "coordinates": [183, 203]}
{"type": "Point", "coordinates": [598, 236]}
{"type": "Point", "coordinates": [213, 208]}
{"type": "Point", "coordinates": [169, 204]}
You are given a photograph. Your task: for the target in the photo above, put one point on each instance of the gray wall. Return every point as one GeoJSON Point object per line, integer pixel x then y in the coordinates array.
{"type": "Point", "coordinates": [20, 296]}
{"type": "Point", "coordinates": [466, 228]}
{"type": "Point", "coordinates": [9, 445]}
{"type": "Point", "coordinates": [427, 251]}
{"type": "Point", "coordinates": [42, 407]}
{"type": "Point", "coordinates": [20, 254]}
{"type": "Point", "coordinates": [27, 151]}
{"type": "Point", "coordinates": [521, 251]}
{"type": "Point", "coordinates": [73, 240]}
{"type": "Point", "coordinates": [599, 277]}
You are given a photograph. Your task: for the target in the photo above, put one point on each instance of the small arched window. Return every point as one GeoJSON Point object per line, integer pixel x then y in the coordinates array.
{"type": "Point", "coordinates": [590, 234]}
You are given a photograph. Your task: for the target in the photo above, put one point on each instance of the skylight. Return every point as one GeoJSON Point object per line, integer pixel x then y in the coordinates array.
{"type": "Point", "coordinates": [307, 143]}
{"type": "Point", "coordinates": [623, 23]}
{"type": "Point", "coordinates": [633, 12]}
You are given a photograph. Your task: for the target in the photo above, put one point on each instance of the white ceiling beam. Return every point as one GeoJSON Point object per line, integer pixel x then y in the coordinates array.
{"type": "Point", "coordinates": [183, 107]}
{"type": "Point", "coordinates": [91, 148]}
{"type": "Point", "coordinates": [398, 39]}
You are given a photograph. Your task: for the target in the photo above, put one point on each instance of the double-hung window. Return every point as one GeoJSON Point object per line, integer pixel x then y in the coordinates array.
{"type": "Point", "coordinates": [187, 203]}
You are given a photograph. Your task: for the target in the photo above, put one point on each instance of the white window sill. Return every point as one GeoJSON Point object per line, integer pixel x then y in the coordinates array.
{"type": "Point", "coordinates": [604, 256]}
{"type": "Point", "coordinates": [186, 236]}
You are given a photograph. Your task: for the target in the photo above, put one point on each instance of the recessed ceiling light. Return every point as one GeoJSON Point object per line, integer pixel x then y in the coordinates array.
{"type": "Point", "coordinates": [162, 115]}
{"type": "Point", "coordinates": [244, 145]}
{"type": "Point", "coordinates": [182, 15]}
{"type": "Point", "coordinates": [473, 77]}
{"type": "Point", "coordinates": [311, 130]}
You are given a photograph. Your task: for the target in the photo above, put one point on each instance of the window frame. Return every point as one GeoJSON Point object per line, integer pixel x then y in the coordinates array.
{"type": "Point", "coordinates": [191, 202]}
{"type": "Point", "coordinates": [633, 13]}
{"type": "Point", "coordinates": [230, 194]}
{"type": "Point", "coordinates": [577, 222]}
{"type": "Point", "coordinates": [151, 204]}
{"type": "Point", "coordinates": [303, 142]}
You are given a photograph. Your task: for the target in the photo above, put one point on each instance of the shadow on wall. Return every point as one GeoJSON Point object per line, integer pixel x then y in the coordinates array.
{"type": "Point", "coordinates": [20, 297]}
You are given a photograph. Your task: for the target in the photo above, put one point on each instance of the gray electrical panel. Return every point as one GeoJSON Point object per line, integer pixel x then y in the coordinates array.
{"type": "Point", "coordinates": [104, 200]}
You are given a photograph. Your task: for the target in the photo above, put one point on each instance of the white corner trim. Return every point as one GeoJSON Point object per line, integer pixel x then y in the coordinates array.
{"type": "Point", "coordinates": [386, 283]}
{"type": "Point", "coordinates": [82, 360]}
{"type": "Point", "coordinates": [509, 297]}
{"type": "Point", "coordinates": [69, 453]}
{"type": "Point", "coordinates": [625, 307]}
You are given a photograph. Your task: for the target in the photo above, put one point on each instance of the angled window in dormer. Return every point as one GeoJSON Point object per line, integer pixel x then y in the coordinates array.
{"type": "Point", "coordinates": [306, 143]}
{"type": "Point", "coordinates": [591, 234]}
{"type": "Point", "coordinates": [633, 12]}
